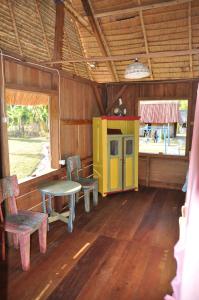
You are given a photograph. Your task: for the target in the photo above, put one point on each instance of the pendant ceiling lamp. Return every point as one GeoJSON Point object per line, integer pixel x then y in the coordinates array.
{"type": "Point", "coordinates": [136, 70]}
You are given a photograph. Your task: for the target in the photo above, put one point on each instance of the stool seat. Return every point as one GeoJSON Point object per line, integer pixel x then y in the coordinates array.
{"type": "Point", "coordinates": [60, 188]}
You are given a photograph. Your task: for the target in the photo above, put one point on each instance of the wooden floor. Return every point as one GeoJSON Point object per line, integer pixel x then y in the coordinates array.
{"type": "Point", "coordinates": [123, 250]}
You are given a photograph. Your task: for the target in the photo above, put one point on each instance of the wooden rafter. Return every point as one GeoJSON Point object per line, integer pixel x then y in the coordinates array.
{"type": "Point", "coordinates": [99, 36]}
{"type": "Point", "coordinates": [70, 51]}
{"type": "Point", "coordinates": [129, 57]}
{"type": "Point", "coordinates": [145, 38]}
{"type": "Point", "coordinates": [78, 18]}
{"type": "Point", "coordinates": [82, 48]}
{"type": "Point", "coordinates": [59, 32]}
{"type": "Point", "coordinates": [98, 99]}
{"type": "Point", "coordinates": [139, 8]}
{"type": "Point", "coordinates": [42, 28]}
{"type": "Point", "coordinates": [15, 26]}
{"type": "Point", "coordinates": [190, 38]}
{"type": "Point", "coordinates": [117, 96]}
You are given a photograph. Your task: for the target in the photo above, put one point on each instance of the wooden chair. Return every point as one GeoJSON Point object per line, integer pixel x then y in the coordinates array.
{"type": "Point", "coordinates": [21, 223]}
{"type": "Point", "coordinates": [73, 164]}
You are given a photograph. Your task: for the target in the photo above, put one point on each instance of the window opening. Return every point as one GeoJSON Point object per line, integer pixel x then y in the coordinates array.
{"type": "Point", "coordinates": [163, 126]}
{"type": "Point", "coordinates": [28, 139]}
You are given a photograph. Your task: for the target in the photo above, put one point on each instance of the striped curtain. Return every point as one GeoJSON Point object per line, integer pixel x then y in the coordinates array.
{"type": "Point", "coordinates": [160, 113]}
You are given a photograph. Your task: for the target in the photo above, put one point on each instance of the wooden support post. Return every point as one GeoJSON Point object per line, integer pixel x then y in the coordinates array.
{"type": "Point", "coordinates": [54, 132]}
{"type": "Point", "coordinates": [59, 32]}
{"type": "Point", "coordinates": [5, 166]}
{"type": "Point", "coordinates": [190, 38]}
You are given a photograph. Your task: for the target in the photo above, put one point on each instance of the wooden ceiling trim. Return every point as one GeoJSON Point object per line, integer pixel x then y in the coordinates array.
{"type": "Point", "coordinates": [190, 37]}
{"type": "Point", "coordinates": [145, 39]}
{"type": "Point", "coordinates": [42, 28]}
{"type": "Point", "coordinates": [10, 5]}
{"type": "Point", "coordinates": [129, 56]}
{"type": "Point", "coordinates": [78, 18]}
{"type": "Point", "coordinates": [59, 32]}
{"type": "Point", "coordinates": [140, 8]}
{"type": "Point", "coordinates": [99, 36]}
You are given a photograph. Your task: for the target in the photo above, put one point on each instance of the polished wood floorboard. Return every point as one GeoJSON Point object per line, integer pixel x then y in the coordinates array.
{"type": "Point", "coordinates": [122, 249]}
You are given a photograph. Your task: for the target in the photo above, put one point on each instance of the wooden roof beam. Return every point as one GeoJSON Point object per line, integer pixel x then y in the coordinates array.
{"type": "Point", "coordinates": [99, 36]}
{"type": "Point", "coordinates": [83, 50]}
{"type": "Point", "coordinates": [145, 39]}
{"type": "Point", "coordinates": [78, 18]}
{"type": "Point", "coordinates": [42, 28]}
{"type": "Point", "coordinates": [10, 5]}
{"type": "Point", "coordinates": [115, 100]}
{"type": "Point", "coordinates": [139, 8]}
{"type": "Point", "coordinates": [190, 38]}
{"type": "Point", "coordinates": [59, 32]}
{"type": "Point", "coordinates": [127, 56]}
{"type": "Point", "coordinates": [98, 99]}
{"type": "Point", "coordinates": [70, 51]}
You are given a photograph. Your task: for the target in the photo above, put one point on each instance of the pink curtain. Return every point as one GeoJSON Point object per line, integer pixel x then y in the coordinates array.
{"type": "Point", "coordinates": [186, 283]}
{"type": "Point", "coordinates": [166, 112]}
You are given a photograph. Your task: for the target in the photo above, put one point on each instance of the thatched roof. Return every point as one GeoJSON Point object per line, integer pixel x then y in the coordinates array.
{"type": "Point", "coordinates": [163, 34]}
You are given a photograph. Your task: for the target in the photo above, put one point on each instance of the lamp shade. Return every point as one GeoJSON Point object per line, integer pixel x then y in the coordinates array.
{"type": "Point", "coordinates": [136, 70]}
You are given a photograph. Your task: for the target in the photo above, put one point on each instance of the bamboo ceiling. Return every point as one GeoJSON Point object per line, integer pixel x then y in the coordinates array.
{"type": "Point", "coordinates": [162, 34]}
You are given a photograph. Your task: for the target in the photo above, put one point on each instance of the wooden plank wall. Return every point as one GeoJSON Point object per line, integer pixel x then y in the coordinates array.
{"type": "Point", "coordinates": [159, 170]}
{"type": "Point", "coordinates": [78, 106]}
{"type": "Point", "coordinates": [77, 103]}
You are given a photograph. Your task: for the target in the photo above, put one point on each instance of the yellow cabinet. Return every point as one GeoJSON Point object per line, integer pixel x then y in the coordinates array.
{"type": "Point", "coordinates": [115, 153]}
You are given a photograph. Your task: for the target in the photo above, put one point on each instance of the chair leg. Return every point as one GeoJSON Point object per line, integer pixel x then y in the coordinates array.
{"type": "Point", "coordinates": [77, 197]}
{"type": "Point", "coordinates": [43, 236]}
{"type": "Point", "coordinates": [71, 205]}
{"type": "Point", "coordinates": [74, 201]}
{"type": "Point", "coordinates": [87, 200]}
{"type": "Point", "coordinates": [16, 241]}
{"type": "Point", "coordinates": [95, 195]}
{"type": "Point", "coordinates": [24, 243]}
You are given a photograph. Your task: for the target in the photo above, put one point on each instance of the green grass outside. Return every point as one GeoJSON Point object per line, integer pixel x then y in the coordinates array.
{"type": "Point", "coordinates": [25, 155]}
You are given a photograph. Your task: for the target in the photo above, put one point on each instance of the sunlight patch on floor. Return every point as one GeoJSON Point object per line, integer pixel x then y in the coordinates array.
{"type": "Point", "coordinates": [44, 290]}
{"type": "Point", "coordinates": [81, 250]}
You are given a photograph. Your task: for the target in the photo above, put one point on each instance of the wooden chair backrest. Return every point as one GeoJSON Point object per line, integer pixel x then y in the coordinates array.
{"type": "Point", "coordinates": [9, 189]}
{"type": "Point", "coordinates": [73, 164]}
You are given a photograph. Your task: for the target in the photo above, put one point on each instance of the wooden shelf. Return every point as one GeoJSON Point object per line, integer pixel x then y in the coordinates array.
{"type": "Point", "coordinates": [76, 122]}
